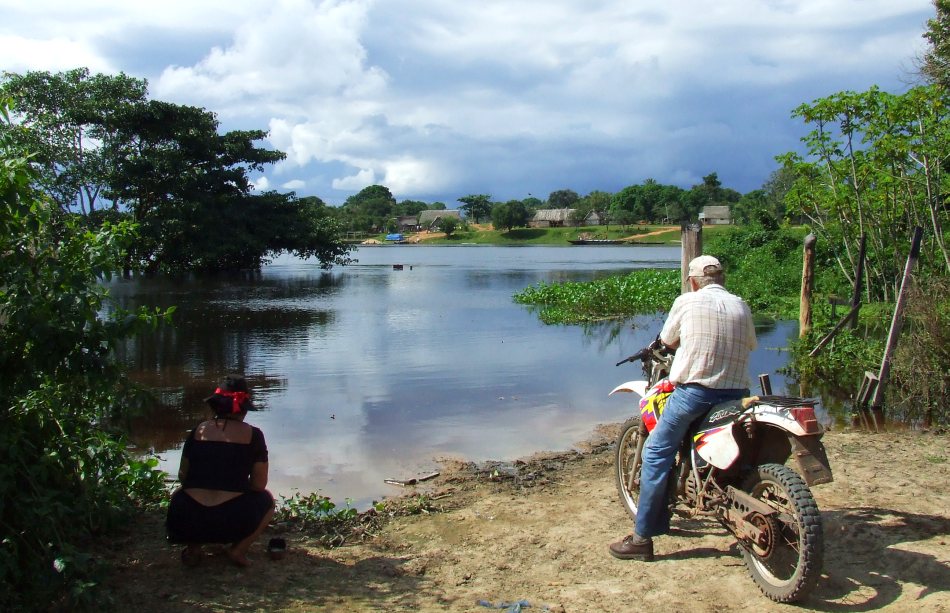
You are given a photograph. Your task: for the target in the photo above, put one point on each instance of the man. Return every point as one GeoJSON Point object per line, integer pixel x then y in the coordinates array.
{"type": "Point", "coordinates": [713, 334]}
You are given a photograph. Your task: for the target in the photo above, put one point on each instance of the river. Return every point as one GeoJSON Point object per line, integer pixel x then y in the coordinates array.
{"type": "Point", "coordinates": [366, 372]}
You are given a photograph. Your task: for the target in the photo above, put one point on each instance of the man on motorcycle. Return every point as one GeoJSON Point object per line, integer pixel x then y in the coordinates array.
{"type": "Point", "coordinates": [712, 332]}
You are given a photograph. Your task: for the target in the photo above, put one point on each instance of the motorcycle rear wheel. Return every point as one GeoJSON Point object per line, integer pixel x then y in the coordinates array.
{"type": "Point", "coordinates": [627, 464]}
{"type": "Point", "coordinates": [792, 566]}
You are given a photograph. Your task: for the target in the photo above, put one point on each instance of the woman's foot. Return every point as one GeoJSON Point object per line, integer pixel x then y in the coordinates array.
{"type": "Point", "coordinates": [238, 558]}
{"type": "Point", "coordinates": [191, 555]}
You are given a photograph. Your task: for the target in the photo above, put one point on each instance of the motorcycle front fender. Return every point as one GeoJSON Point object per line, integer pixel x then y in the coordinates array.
{"type": "Point", "coordinates": [636, 387]}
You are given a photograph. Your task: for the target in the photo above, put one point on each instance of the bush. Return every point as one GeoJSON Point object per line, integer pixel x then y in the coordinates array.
{"type": "Point", "coordinates": [64, 476]}
{"type": "Point", "coordinates": [920, 374]}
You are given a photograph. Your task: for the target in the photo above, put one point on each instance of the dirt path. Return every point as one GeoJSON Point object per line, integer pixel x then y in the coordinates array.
{"type": "Point", "coordinates": [634, 237]}
{"type": "Point", "coordinates": [538, 531]}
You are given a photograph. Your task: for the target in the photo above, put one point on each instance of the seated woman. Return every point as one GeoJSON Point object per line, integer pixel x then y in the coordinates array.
{"type": "Point", "coordinates": [223, 475]}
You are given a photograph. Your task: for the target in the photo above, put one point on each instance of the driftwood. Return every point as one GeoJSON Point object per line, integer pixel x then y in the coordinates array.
{"type": "Point", "coordinates": [413, 481]}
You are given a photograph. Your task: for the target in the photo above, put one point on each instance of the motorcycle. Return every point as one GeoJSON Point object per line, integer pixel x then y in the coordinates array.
{"type": "Point", "coordinates": [731, 466]}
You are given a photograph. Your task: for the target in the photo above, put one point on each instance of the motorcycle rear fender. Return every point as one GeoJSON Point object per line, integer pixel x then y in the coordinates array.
{"type": "Point", "coordinates": [780, 418]}
{"type": "Point", "coordinates": [772, 445]}
{"type": "Point", "coordinates": [813, 465]}
{"type": "Point", "coordinates": [637, 387]}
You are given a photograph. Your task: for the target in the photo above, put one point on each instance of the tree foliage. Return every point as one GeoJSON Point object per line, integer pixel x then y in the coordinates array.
{"type": "Point", "coordinates": [72, 120]}
{"type": "Point", "coordinates": [936, 62]}
{"type": "Point", "coordinates": [508, 215]}
{"type": "Point", "coordinates": [563, 199]}
{"type": "Point", "coordinates": [65, 475]}
{"type": "Point", "coordinates": [875, 166]}
{"type": "Point", "coordinates": [476, 206]}
{"type": "Point", "coordinates": [167, 168]}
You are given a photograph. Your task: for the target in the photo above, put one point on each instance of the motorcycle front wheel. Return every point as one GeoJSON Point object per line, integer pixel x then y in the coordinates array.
{"type": "Point", "coordinates": [627, 456]}
{"type": "Point", "coordinates": [787, 564]}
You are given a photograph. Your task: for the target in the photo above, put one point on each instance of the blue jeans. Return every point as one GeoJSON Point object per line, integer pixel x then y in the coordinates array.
{"type": "Point", "coordinates": [686, 404]}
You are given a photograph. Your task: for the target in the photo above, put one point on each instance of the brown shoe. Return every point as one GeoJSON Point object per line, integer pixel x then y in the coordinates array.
{"type": "Point", "coordinates": [633, 547]}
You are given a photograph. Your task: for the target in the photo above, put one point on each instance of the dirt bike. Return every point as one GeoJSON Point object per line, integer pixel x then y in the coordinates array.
{"type": "Point", "coordinates": [731, 466]}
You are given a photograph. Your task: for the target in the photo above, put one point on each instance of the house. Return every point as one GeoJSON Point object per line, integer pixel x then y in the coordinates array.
{"type": "Point", "coordinates": [408, 223]}
{"type": "Point", "coordinates": [593, 219]}
{"type": "Point", "coordinates": [715, 215]}
{"type": "Point", "coordinates": [552, 218]}
{"type": "Point", "coordinates": [430, 220]}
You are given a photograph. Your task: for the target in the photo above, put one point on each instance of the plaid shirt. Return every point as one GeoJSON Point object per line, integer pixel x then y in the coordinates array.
{"type": "Point", "coordinates": [715, 333]}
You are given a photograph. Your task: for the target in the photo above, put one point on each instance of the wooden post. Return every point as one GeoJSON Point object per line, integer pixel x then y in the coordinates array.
{"type": "Point", "coordinates": [808, 284]}
{"type": "Point", "coordinates": [877, 402]}
{"type": "Point", "coordinates": [858, 281]}
{"type": "Point", "coordinates": [692, 240]}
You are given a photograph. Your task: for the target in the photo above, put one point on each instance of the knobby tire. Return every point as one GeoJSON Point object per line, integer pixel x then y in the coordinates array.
{"type": "Point", "coordinates": [791, 572]}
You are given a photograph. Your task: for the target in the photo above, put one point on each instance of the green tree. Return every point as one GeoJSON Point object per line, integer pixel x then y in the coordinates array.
{"type": "Point", "coordinates": [936, 61]}
{"type": "Point", "coordinates": [71, 115]}
{"type": "Point", "coordinates": [598, 202]}
{"type": "Point", "coordinates": [563, 199]}
{"type": "Point", "coordinates": [409, 207]}
{"type": "Point", "coordinates": [476, 206]}
{"type": "Point", "coordinates": [875, 166]}
{"type": "Point", "coordinates": [508, 215]}
{"type": "Point", "coordinates": [448, 224]}
{"type": "Point", "coordinates": [187, 188]}
{"type": "Point", "coordinates": [66, 475]}
{"type": "Point", "coordinates": [371, 208]}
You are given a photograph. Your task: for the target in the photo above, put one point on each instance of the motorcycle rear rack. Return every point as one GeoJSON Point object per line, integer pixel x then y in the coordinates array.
{"type": "Point", "coordinates": [787, 401]}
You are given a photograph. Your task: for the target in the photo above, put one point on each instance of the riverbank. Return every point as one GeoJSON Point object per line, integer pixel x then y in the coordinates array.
{"type": "Point", "coordinates": [483, 234]}
{"type": "Point", "coordinates": [538, 530]}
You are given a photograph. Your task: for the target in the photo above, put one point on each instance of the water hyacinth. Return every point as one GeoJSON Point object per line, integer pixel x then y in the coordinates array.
{"type": "Point", "coordinates": [639, 292]}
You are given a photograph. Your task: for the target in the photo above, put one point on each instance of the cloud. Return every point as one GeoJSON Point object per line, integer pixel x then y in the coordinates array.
{"type": "Point", "coordinates": [437, 100]}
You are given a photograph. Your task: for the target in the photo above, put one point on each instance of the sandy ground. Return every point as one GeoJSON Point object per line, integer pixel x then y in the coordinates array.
{"type": "Point", "coordinates": [538, 531]}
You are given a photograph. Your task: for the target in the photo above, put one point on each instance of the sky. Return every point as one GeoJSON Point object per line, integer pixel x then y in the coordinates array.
{"type": "Point", "coordinates": [438, 99]}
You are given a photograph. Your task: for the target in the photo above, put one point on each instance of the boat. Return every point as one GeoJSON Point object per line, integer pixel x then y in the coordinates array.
{"type": "Point", "coordinates": [597, 241]}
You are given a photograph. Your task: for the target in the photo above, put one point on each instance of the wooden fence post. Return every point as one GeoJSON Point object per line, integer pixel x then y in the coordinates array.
{"type": "Point", "coordinates": [808, 284]}
{"type": "Point", "coordinates": [877, 402]}
{"type": "Point", "coordinates": [692, 240]}
{"type": "Point", "coordinates": [858, 280]}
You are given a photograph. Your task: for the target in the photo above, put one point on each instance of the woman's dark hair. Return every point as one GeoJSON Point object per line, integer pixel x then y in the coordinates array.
{"type": "Point", "coordinates": [231, 397]}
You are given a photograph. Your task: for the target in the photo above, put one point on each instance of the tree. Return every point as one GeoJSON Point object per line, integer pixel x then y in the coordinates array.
{"type": "Point", "coordinates": [508, 215]}
{"type": "Point", "coordinates": [66, 475]}
{"type": "Point", "coordinates": [409, 207]}
{"type": "Point", "coordinates": [448, 224]}
{"type": "Point", "coordinates": [187, 188]}
{"type": "Point", "coordinates": [563, 199]}
{"type": "Point", "coordinates": [71, 115]}
{"type": "Point", "coordinates": [936, 61]}
{"type": "Point", "coordinates": [598, 202]}
{"type": "Point", "coordinates": [371, 208]}
{"type": "Point", "coordinates": [875, 167]}
{"type": "Point", "coordinates": [476, 206]}
{"type": "Point", "coordinates": [754, 208]}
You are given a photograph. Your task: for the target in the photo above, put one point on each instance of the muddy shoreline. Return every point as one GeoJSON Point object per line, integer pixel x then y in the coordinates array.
{"type": "Point", "coordinates": [537, 531]}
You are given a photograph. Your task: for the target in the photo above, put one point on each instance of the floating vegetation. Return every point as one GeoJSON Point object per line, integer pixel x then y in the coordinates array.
{"type": "Point", "coordinates": [636, 293]}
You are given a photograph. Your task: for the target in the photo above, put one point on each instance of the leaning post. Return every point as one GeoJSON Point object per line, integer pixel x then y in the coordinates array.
{"type": "Point", "coordinates": [808, 285]}
{"type": "Point", "coordinates": [897, 323]}
{"type": "Point", "coordinates": [692, 241]}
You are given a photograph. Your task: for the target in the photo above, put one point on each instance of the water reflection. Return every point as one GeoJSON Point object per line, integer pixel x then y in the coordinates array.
{"type": "Point", "coordinates": [368, 373]}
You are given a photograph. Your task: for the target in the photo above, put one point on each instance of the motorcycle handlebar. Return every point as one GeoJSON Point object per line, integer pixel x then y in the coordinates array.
{"type": "Point", "coordinates": [655, 347]}
{"type": "Point", "coordinates": [640, 355]}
